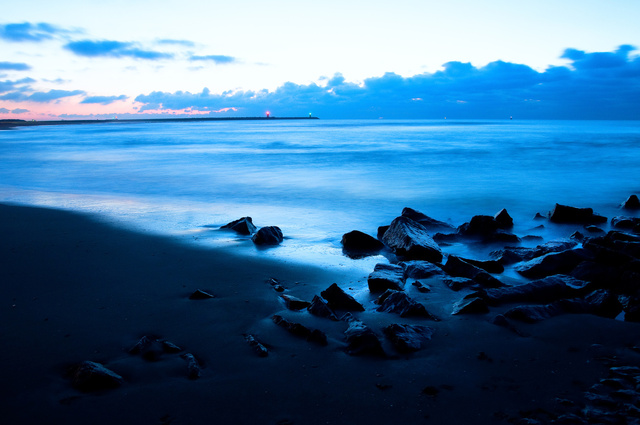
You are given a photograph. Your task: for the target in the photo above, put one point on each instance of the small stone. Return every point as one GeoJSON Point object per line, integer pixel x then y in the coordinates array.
{"type": "Point", "coordinates": [421, 287]}
{"type": "Point", "coordinates": [293, 303]}
{"type": "Point", "coordinates": [320, 308]}
{"type": "Point", "coordinates": [258, 348]}
{"type": "Point", "coordinates": [243, 226]}
{"type": "Point", "coordinates": [408, 338]}
{"type": "Point", "coordinates": [170, 347]}
{"type": "Point", "coordinates": [269, 235]}
{"type": "Point", "coordinates": [91, 376]}
{"type": "Point", "coordinates": [199, 294]}
{"type": "Point", "coordinates": [193, 366]}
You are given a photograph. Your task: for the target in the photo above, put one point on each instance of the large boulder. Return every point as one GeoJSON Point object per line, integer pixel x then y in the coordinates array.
{"type": "Point", "coordinates": [408, 338]}
{"type": "Point", "coordinates": [400, 303]}
{"type": "Point", "coordinates": [457, 267]}
{"type": "Point", "coordinates": [624, 222]}
{"type": "Point", "coordinates": [503, 219]}
{"type": "Point", "coordinates": [361, 339]}
{"type": "Point", "coordinates": [554, 263]}
{"type": "Point", "coordinates": [243, 226]}
{"type": "Point", "coordinates": [487, 229]}
{"type": "Point", "coordinates": [632, 203]}
{"type": "Point", "coordinates": [426, 221]}
{"type": "Point", "coordinates": [386, 276]}
{"type": "Point", "coordinates": [340, 300]}
{"type": "Point", "coordinates": [540, 291]}
{"type": "Point", "coordinates": [269, 235]}
{"type": "Point", "coordinates": [320, 308]}
{"type": "Point", "coordinates": [356, 244]}
{"type": "Point", "coordinates": [91, 376]}
{"type": "Point", "coordinates": [573, 215]}
{"type": "Point", "coordinates": [417, 269]}
{"type": "Point", "coordinates": [411, 239]}
{"type": "Point", "coordinates": [511, 255]}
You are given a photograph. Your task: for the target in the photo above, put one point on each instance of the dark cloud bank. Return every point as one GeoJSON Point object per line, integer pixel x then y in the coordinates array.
{"type": "Point", "coordinates": [600, 85]}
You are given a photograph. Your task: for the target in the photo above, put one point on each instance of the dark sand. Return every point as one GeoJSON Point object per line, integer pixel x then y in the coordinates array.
{"type": "Point", "coordinates": [75, 289]}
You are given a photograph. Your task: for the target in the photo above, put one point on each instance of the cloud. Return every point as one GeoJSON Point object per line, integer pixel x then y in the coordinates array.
{"type": "Point", "coordinates": [14, 66]}
{"type": "Point", "coordinates": [28, 32]}
{"type": "Point", "coordinates": [18, 85]}
{"type": "Point", "coordinates": [13, 111]}
{"type": "Point", "coordinates": [115, 49]}
{"type": "Point", "coordinates": [217, 59]}
{"type": "Point", "coordinates": [40, 97]}
{"type": "Point", "coordinates": [185, 43]}
{"type": "Point", "coordinates": [103, 100]}
{"type": "Point", "coordinates": [599, 85]}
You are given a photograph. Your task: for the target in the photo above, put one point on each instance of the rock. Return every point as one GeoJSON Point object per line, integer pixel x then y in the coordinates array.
{"type": "Point", "coordinates": [490, 266]}
{"type": "Point", "coordinates": [150, 348]}
{"type": "Point", "coordinates": [199, 294]}
{"type": "Point", "coordinates": [91, 376]}
{"type": "Point", "coordinates": [381, 231]}
{"type": "Point", "coordinates": [194, 371]}
{"type": "Point", "coordinates": [410, 239]}
{"type": "Point", "coordinates": [631, 307]}
{"type": "Point", "coordinates": [169, 347]}
{"type": "Point", "coordinates": [340, 300]}
{"type": "Point", "coordinates": [356, 244]}
{"type": "Point", "coordinates": [512, 255]}
{"type": "Point", "coordinates": [577, 236]}
{"type": "Point", "coordinates": [400, 303]}
{"type": "Point", "coordinates": [539, 216]}
{"type": "Point", "coordinates": [417, 269]}
{"type": "Point", "coordinates": [142, 344]}
{"type": "Point", "coordinates": [632, 203]}
{"type": "Point", "coordinates": [458, 283]}
{"type": "Point", "coordinates": [554, 263]}
{"type": "Point", "coordinates": [299, 330]}
{"type": "Point", "coordinates": [293, 303]}
{"type": "Point", "coordinates": [269, 235]}
{"type": "Point", "coordinates": [502, 321]}
{"type": "Point", "coordinates": [457, 267]}
{"type": "Point", "coordinates": [593, 229]}
{"type": "Point", "coordinates": [320, 308]}
{"type": "Point", "coordinates": [428, 222]}
{"type": "Point", "coordinates": [567, 214]}
{"type": "Point", "coordinates": [470, 306]}
{"type": "Point", "coordinates": [421, 287]}
{"type": "Point", "coordinates": [407, 338]}
{"type": "Point", "coordinates": [243, 226]}
{"type": "Point", "coordinates": [545, 290]}
{"type": "Point", "coordinates": [623, 222]}
{"type": "Point", "coordinates": [503, 219]}
{"type": "Point", "coordinates": [386, 276]}
{"type": "Point", "coordinates": [361, 340]}
{"type": "Point", "coordinates": [486, 229]}
{"type": "Point", "coordinates": [257, 347]}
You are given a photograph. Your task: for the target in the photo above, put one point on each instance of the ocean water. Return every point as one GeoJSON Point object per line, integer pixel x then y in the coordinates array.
{"type": "Point", "coordinates": [319, 179]}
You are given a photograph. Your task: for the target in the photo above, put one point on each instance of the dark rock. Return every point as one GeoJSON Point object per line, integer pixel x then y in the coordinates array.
{"type": "Point", "coordinates": [447, 238]}
{"type": "Point", "coordinates": [539, 216]}
{"type": "Point", "coordinates": [417, 269]}
{"type": "Point", "coordinates": [623, 222]}
{"type": "Point", "coordinates": [457, 267]}
{"type": "Point", "coordinates": [503, 219]}
{"type": "Point", "coordinates": [169, 347]}
{"type": "Point", "coordinates": [567, 214]}
{"type": "Point", "coordinates": [577, 236]}
{"type": "Point", "coordinates": [545, 290]}
{"type": "Point", "coordinates": [299, 330]}
{"type": "Point", "coordinates": [194, 370]}
{"type": "Point", "coordinates": [381, 231]}
{"type": "Point", "coordinates": [400, 303]}
{"type": "Point", "coordinates": [593, 229]}
{"type": "Point", "coordinates": [340, 300]}
{"type": "Point", "coordinates": [411, 239]}
{"type": "Point", "coordinates": [257, 347]}
{"type": "Point", "coordinates": [421, 287]}
{"type": "Point", "coordinates": [631, 307]}
{"type": "Point", "coordinates": [490, 266]}
{"type": "Point", "coordinates": [470, 306]}
{"type": "Point", "coordinates": [458, 283]}
{"type": "Point", "coordinates": [150, 348]}
{"type": "Point", "coordinates": [554, 263]}
{"type": "Point", "coordinates": [632, 203]}
{"type": "Point", "coordinates": [269, 235]}
{"type": "Point", "coordinates": [243, 226]}
{"type": "Point", "coordinates": [361, 340]}
{"type": "Point", "coordinates": [293, 303]}
{"type": "Point", "coordinates": [199, 294]}
{"type": "Point", "coordinates": [486, 229]}
{"type": "Point", "coordinates": [142, 344]}
{"type": "Point", "coordinates": [533, 314]}
{"type": "Point", "coordinates": [386, 276]}
{"type": "Point", "coordinates": [532, 238]}
{"type": "Point", "coordinates": [426, 221]}
{"type": "Point", "coordinates": [356, 244]}
{"type": "Point", "coordinates": [408, 338]}
{"type": "Point", "coordinates": [320, 308]}
{"type": "Point", "coordinates": [596, 273]}
{"type": "Point", "coordinates": [430, 391]}
{"type": "Point", "coordinates": [91, 376]}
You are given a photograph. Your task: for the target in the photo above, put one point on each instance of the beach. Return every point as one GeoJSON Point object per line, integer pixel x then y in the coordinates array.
{"type": "Point", "coordinates": [78, 289]}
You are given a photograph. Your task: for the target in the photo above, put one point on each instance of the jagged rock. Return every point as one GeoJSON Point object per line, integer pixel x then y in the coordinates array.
{"type": "Point", "coordinates": [511, 255]}
{"type": "Point", "coordinates": [400, 303]}
{"type": "Point", "coordinates": [257, 347]}
{"type": "Point", "coordinates": [417, 269]}
{"type": "Point", "coordinates": [91, 376]}
{"type": "Point", "coordinates": [470, 306]}
{"type": "Point", "coordinates": [340, 300]}
{"type": "Point", "coordinates": [243, 226]}
{"type": "Point", "coordinates": [577, 236]}
{"type": "Point", "coordinates": [632, 203]}
{"type": "Point", "coordinates": [426, 221]}
{"type": "Point", "coordinates": [150, 348]}
{"type": "Point", "coordinates": [381, 231]}
{"type": "Point", "coordinates": [539, 216]}
{"type": "Point", "coordinates": [593, 229]}
{"type": "Point", "coordinates": [320, 308]}
{"type": "Point", "coordinates": [458, 283]}
{"type": "Point", "coordinates": [411, 239]}
{"type": "Point", "coordinates": [297, 329]}
{"type": "Point", "coordinates": [269, 235]}
{"type": "Point", "coordinates": [567, 214]}
{"type": "Point", "coordinates": [199, 294]}
{"type": "Point", "coordinates": [407, 338]}
{"type": "Point", "coordinates": [386, 276]}
{"type": "Point", "coordinates": [293, 303]}
{"type": "Point", "coordinates": [142, 344]}
{"type": "Point", "coordinates": [421, 287]}
{"type": "Point", "coordinates": [356, 244]}
{"type": "Point", "coordinates": [554, 263]}
{"type": "Point", "coordinates": [545, 290]}
{"type": "Point", "coordinates": [623, 222]}
{"type": "Point", "coordinates": [457, 267]}
{"type": "Point", "coordinates": [194, 370]}
{"type": "Point", "coordinates": [503, 219]}
{"type": "Point", "coordinates": [361, 340]}
{"type": "Point", "coordinates": [487, 229]}
{"type": "Point", "coordinates": [169, 347]}
{"type": "Point", "coordinates": [490, 266]}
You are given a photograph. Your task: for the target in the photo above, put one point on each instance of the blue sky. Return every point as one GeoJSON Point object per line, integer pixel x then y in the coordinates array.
{"type": "Point", "coordinates": [335, 59]}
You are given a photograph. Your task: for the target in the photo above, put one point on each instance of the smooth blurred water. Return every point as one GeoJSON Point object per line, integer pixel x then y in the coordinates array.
{"type": "Point", "coordinates": [318, 179]}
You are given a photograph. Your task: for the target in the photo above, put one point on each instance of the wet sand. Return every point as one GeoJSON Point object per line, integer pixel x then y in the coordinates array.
{"type": "Point", "coordinates": [75, 289]}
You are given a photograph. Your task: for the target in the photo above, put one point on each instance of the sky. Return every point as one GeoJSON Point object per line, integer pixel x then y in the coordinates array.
{"type": "Point", "coordinates": [543, 59]}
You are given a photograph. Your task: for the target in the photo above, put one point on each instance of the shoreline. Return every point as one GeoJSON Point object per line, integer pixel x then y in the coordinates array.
{"type": "Point", "coordinates": [77, 289]}
{"type": "Point", "coordinates": [9, 124]}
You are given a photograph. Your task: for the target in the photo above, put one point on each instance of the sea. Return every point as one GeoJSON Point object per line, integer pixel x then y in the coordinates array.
{"type": "Point", "coordinates": [318, 179]}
